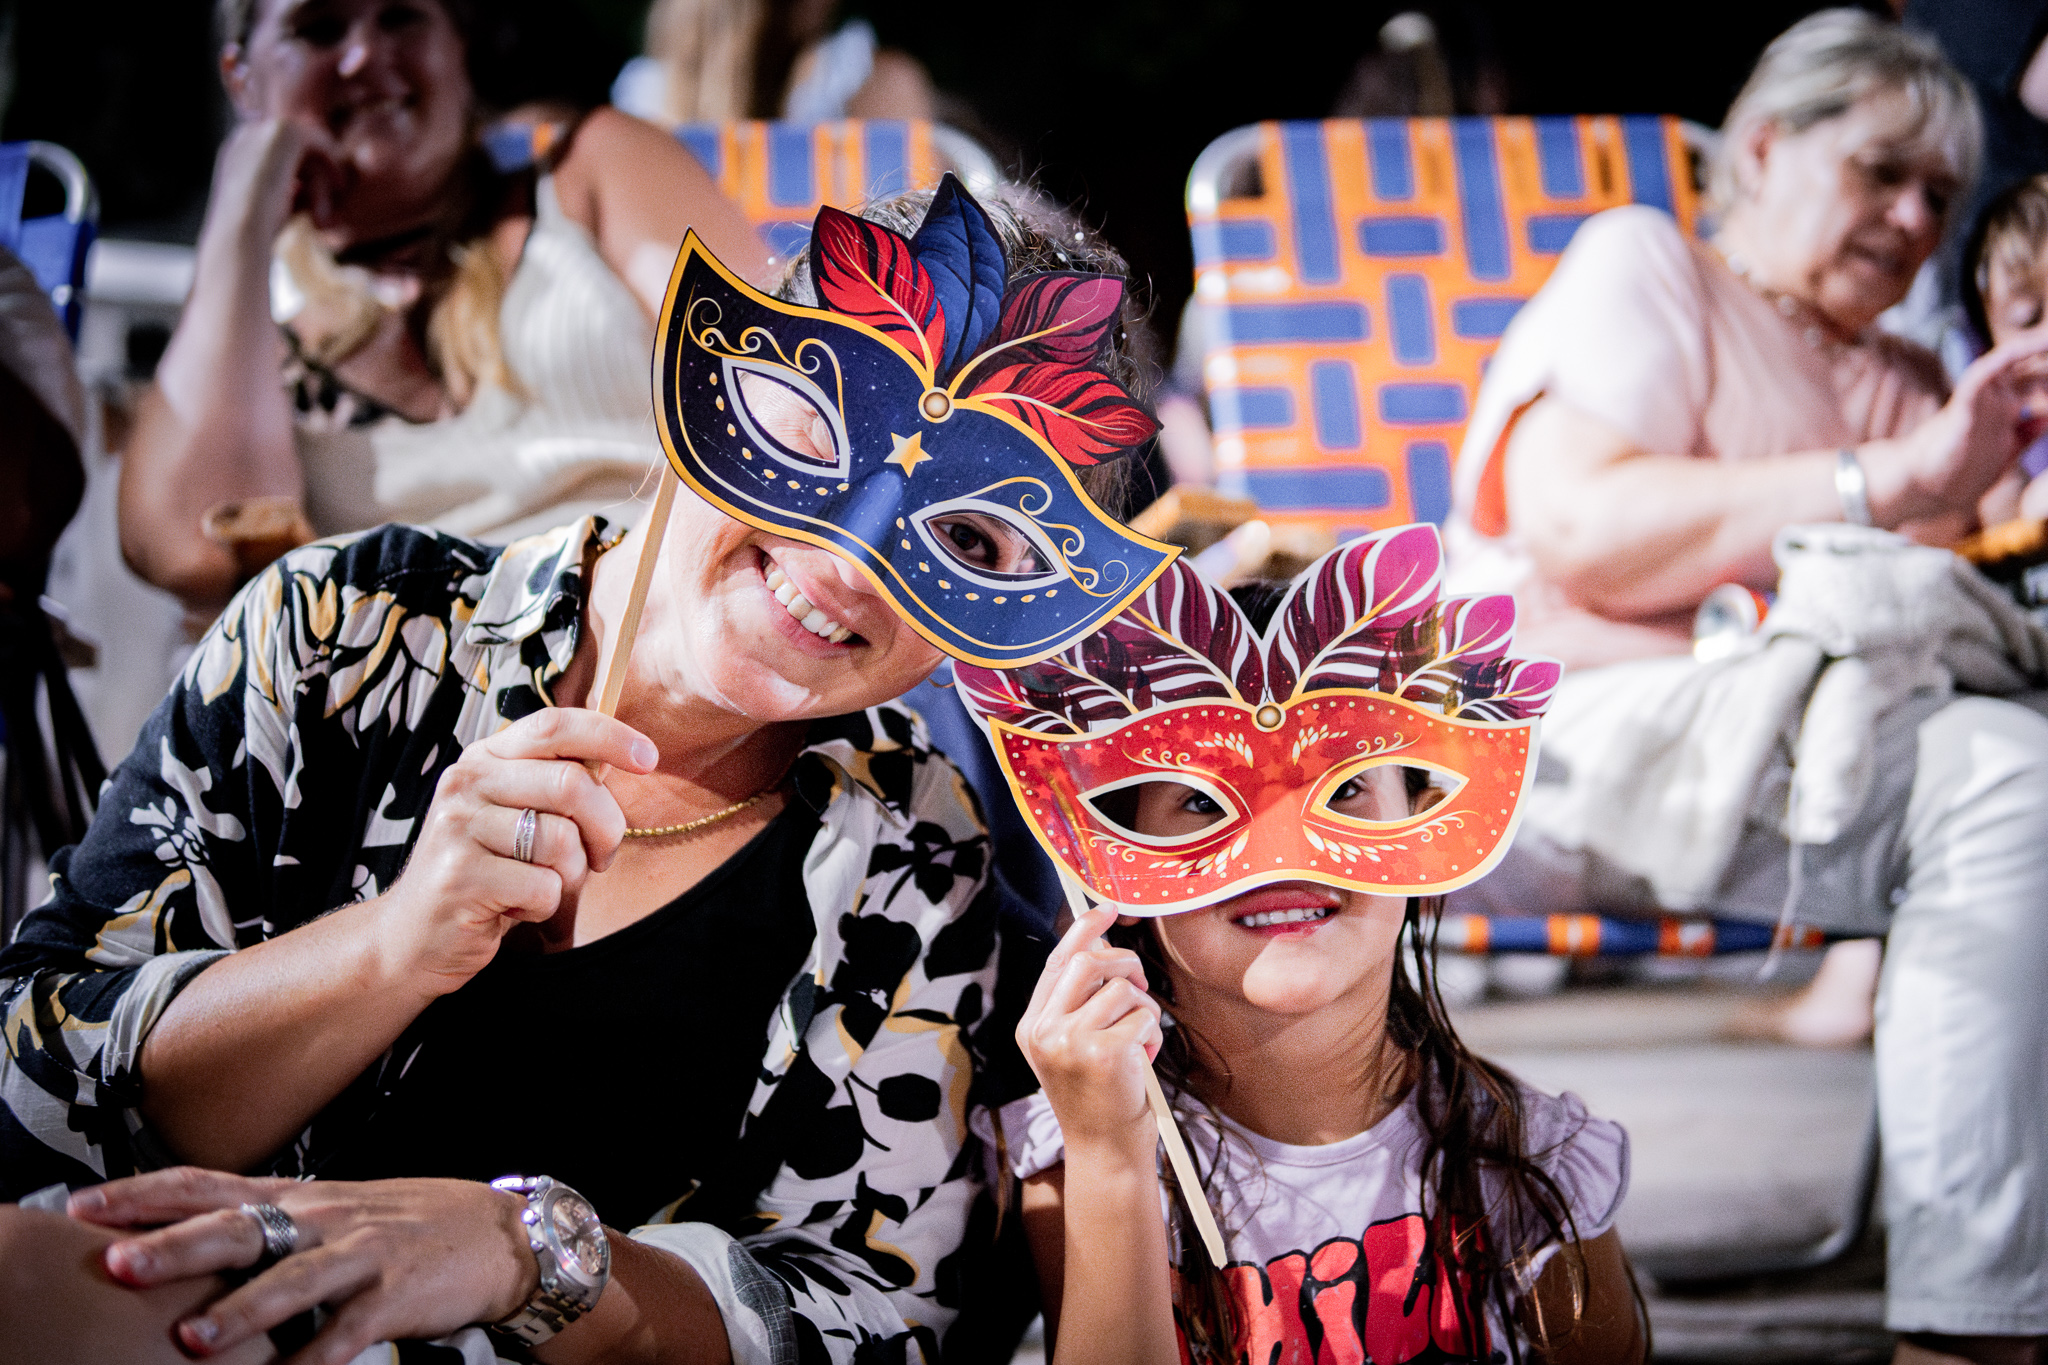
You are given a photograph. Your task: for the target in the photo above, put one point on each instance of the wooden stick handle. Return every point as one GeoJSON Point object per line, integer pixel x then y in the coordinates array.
{"type": "Point", "coordinates": [611, 668]}
{"type": "Point", "coordinates": [1191, 1192]}
{"type": "Point", "coordinates": [1193, 1197]}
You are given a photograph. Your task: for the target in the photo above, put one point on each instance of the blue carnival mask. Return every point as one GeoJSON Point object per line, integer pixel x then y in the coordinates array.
{"type": "Point", "coordinates": [922, 425]}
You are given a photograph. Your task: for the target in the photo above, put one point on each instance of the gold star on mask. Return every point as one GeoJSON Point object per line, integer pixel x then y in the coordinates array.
{"type": "Point", "coordinates": [907, 455]}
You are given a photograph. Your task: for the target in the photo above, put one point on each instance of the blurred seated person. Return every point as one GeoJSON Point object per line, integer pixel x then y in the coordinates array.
{"type": "Point", "coordinates": [462, 349]}
{"type": "Point", "coordinates": [715, 61]}
{"type": "Point", "coordinates": [2005, 294]}
{"type": "Point", "coordinates": [1654, 418]}
{"type": "Point", "coordinates": [42, 422]}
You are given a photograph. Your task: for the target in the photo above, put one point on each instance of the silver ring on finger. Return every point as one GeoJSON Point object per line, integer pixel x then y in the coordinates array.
{"type": "Point", "coordinates": [280, 1233]}
{"type": "Point", "coordinates": [522, 838]}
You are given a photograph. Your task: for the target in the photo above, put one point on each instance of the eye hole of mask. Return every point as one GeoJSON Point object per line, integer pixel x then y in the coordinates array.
{"type": "Point", "coordinates": [789, 417]}
{"type": "Point", "coordinates": [991, 543]}
{"type": "Point", "coordinates": [1383, 793]}
{"type": "Point", "coordinates": [1162, 812]}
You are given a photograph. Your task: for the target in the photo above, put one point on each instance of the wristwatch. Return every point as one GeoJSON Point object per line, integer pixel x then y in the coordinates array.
{"type": "Point", "coordinates": [575, 1258]}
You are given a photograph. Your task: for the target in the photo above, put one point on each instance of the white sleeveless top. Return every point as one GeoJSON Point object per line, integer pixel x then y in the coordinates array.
{"type": "Point", "coordinates": [580, 442]}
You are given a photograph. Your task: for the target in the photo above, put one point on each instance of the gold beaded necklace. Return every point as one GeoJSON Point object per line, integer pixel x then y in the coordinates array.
{"type": "Point", "coordinates": [701, 822]}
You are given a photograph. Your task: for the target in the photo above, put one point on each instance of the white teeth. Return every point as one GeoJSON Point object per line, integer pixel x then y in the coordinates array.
{"type": "Point", "coordinates": [1282, 917]}
{"type": "Point", "coordinates": [809, 617]}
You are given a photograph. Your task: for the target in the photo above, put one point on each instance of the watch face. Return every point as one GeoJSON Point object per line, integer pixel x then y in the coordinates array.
{"type": "Point", "coordinates": [580, 1236]}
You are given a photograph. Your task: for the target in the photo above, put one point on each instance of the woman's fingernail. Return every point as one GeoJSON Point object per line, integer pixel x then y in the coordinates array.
{"type": "Point", "coordinates": [87, 1201]}
{"type": "Point", "coordinates": [134, 1262]}
{"type": "Point", "coordinates": [643, 753]}
{"type": "Point", "coordinates": [199, 1333]}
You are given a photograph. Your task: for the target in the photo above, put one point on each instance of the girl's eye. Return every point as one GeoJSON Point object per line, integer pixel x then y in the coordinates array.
{"type": "Point", "coordinates": [1388, 793]}
{"type": "Point", "coordinates": [397, 17]}
{"type": "Point", "coordinates": [1159, 811]}
{"type": "Point", "coordinates": [320, 30]}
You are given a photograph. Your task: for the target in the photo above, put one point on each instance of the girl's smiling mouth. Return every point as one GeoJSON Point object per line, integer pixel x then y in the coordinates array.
{"type": "Point", "coordinates": [1277, 910]}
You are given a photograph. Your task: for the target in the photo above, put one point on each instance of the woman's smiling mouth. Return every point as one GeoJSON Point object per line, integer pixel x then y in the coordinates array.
{"type": "Point", "coordinates": [802, 612]}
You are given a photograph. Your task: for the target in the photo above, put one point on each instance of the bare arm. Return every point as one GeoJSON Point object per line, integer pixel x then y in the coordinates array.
{"type": "Point", "coordinates": [655, 1311]}
{"type": "Point", "coordinates": [216, 426]}
{"type": "Point", "coordinates": [264, 1038]}
{"type": "Point", "coordinates": [1610, 1327]}
{"type": "Point", "coordinates": [1633, 534]}
{"type": "Point", "coordinates": [637, 191]}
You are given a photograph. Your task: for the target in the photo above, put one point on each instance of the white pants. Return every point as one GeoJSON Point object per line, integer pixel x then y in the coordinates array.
{"type": "Point", "coordinates": [1950, 861]}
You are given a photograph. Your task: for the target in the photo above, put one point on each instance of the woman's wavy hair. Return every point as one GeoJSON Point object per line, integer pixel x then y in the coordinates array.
{"type": "Point", "coordinates": [1479, 1182]}
{"type": "Point", "coordinates": [1821, 66]}
{"type": "Point", "coordinates": [1037, 236]}
{"type": "Point", "coordinates": [457, 327]}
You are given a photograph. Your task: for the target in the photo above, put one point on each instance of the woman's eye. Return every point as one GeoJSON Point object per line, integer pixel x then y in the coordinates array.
{"type": "Point", "coordinates": [1201, 803]}
{"type": "Point", "coordinates": [1350, 791]}
{"type": "Point", "coordinates": [986, 543]}
{"type": "Point", "coordinates": [978, 548]}
{"type": "Point", "coordinates": [787, 417]}
{"type": "Point", "coordinates": [397, 17]}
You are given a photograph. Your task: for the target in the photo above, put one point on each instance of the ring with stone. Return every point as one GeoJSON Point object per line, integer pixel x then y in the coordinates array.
{"type": "Point", "coordinates": [280, 1233]}
{"type": "Point", "coordinates": [522, 839]}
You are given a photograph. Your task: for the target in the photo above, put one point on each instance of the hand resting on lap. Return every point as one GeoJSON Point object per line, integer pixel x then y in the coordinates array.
{"type": "Point", "coordinates": [391, 1259]}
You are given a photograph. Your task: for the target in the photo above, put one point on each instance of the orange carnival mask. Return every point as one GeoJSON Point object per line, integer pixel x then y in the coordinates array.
{"type": "Point", "coordinates": [1365, 663]}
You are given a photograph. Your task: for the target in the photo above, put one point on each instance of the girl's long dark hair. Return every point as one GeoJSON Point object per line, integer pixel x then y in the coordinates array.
{"type": "Point", "coordinates": [1488, 1205]}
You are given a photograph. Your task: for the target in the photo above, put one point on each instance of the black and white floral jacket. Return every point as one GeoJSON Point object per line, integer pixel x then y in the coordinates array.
{"type": "Point", "coordinates": [288, 772]}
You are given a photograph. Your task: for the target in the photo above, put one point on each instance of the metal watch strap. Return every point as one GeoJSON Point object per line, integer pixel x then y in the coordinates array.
{"type": "Point", "coordinates": [551, 1308]}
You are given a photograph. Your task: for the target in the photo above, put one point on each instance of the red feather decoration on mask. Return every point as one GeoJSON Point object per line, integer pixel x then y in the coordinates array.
{"type": "Point", "coordinates": [868, 273]}
{"type": "Point", "coordinates": [1081, 413]}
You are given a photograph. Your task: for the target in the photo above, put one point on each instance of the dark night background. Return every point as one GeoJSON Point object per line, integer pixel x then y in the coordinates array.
{"type": "Point", "coordinates": [1105, 105]}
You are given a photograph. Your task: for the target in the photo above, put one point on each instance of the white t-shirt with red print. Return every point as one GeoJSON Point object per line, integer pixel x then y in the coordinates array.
{"type": "Point", "coordinates": [1327, 1243]}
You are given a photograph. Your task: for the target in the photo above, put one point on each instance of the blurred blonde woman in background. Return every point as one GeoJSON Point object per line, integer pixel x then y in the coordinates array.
{"type": "Point", "coordinates": [383, 327]}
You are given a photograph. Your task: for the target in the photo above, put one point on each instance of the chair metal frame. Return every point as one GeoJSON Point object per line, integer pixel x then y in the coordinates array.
{"type": "Point", "coordinates": [79, 221]}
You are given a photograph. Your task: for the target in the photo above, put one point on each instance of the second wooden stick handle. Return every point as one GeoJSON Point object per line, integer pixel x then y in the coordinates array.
{"type": "Point", "coordinates": [1192, 1196]}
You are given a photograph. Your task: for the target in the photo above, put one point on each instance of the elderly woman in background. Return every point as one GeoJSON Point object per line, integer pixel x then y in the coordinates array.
{"type": "Point", "coordinates": [1654, 419]}
{"type": "Point", "coordinates": [460, 348]}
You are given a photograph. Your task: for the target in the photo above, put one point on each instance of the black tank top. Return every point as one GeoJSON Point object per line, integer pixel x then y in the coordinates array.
{"type": "Point", "coordinates": [623, 1067]}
